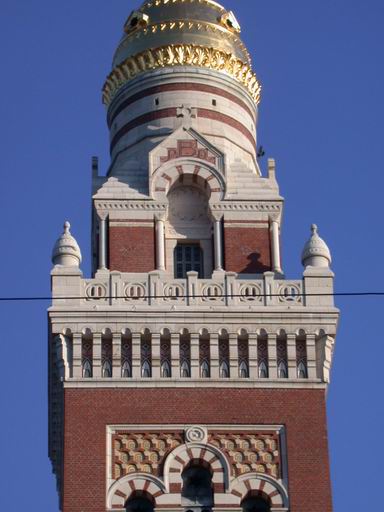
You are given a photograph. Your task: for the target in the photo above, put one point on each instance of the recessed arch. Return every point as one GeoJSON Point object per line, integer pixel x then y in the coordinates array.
{"type": "Point", "coordinates": [257, 483]}
{"type": "Point", "coordinates": [120, 492]}
{"type": "Point", "coordinates": [181, 456]}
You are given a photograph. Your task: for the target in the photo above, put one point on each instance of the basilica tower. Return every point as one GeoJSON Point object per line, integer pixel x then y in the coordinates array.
{"type": "Point", "coordinates": [188, 374]}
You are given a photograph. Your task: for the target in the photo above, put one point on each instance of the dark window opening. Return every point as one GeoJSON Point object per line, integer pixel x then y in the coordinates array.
{"type": "Point", "coordinates": [139, 502]}
{"type": "Point", "coordinates": [188, 257]}
{"type": "Point", "coordinates": [255, 504]}
{"type": "Point", "coordinates": [214, 103]}
{"type": "Point", "coordinates": [197, 486]}
{"type": "Point", "coordinates": [157, 102]}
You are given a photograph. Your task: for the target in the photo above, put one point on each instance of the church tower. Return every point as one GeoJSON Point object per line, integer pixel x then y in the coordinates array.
{"type": "Point", "coordinates": [188, 374]}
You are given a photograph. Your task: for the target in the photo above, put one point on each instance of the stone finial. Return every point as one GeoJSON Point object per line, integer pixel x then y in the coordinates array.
{"type": "Point", "coordinates": [316, 252]}
{"type": "Point", "coordinates": [66, 251]}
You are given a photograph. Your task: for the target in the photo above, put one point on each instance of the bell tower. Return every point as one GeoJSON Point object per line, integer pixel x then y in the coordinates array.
{"type": "Point", "coordinates": [188, 373]}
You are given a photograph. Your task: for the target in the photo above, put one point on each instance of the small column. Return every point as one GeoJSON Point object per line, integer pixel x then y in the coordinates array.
{"type": "Point", "coordinates": [155, 344]}
{"type": "Point", "coordinates": [175, 355]}
{"type": "Point", "coordinates": [233, 356]}
{"type": "Point", "coordinates": [136, 356]}
{"type": "Point", "coordinates": [291, 353]}
{"type": "Point", "coordinates": [276, 261]}
{"type": "Point", "coordinates": [311, 356]}
{"type": "Point", "coordinates": [96, 351]}
{"type": "Point", "coordinates": [218, 244]}
{"type": "Point", "coordinates": [272, 355]}
{"type": "Point", "coordinates": [252, 356]}
{"type": "Point", "coordinates": [214, 355]}
{"type": "Point", "coordinates": [160, 243]}
{"type": "Point", "coordinates": [102, 242]}
{"type": "Point", "coordinates": [116, 355]}
{"type": "Point", "coordinates": [77, 356]}
{"type": "Point", "coordinates": [195, 356]}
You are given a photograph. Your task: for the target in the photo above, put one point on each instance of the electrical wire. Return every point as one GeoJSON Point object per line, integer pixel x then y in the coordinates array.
{"type": "Point", "coordinates": [181, 297]}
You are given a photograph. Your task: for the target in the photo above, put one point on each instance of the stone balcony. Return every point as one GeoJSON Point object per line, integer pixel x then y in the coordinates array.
{"type": "Point", "coordinates": [158, 289]}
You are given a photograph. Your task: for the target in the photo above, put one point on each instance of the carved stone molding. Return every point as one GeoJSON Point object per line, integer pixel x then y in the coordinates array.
{"type": "Point", "coordinates": [181, 55]}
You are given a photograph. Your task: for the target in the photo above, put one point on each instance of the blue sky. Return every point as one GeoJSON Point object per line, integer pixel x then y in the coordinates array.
{"type": "Point", "coordinates": [321, 66]}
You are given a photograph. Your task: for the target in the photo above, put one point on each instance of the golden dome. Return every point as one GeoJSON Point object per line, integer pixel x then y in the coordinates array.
{"type": "Point", "coordinates": [166, 33]}
{"type": "Point", "coordinates": [166, 22]}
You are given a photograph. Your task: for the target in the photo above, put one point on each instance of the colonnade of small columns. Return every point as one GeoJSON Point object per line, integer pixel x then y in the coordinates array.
{"type": "Point", "coordinates": [160, 223]}
{"type": "Point", "coordinates": [186, 355]}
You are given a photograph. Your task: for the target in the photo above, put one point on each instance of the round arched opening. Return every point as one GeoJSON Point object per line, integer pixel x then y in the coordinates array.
{"type": "Point", "coordinates": [197, 490]}
{"type": "Point", "coordinates": [256, 503]}
{"type": "Point", "coordinates": [140, 501]}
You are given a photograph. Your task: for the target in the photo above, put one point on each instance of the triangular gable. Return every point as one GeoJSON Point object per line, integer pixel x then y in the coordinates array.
{"type": "Point", "coordinates": [185, 143]}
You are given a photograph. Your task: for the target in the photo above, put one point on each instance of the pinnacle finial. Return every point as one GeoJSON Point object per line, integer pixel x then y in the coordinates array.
{"type": "Point", "coordinates": [66, 251]}
{"type": "Point", "coordinates": [67, 226]}
{"type": "Point", "coordinates": [316, 252]}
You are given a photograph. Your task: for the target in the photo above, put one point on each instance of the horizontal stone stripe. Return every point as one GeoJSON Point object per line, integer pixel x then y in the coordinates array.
{"type": "Point", "coordinates": [145, 118]}
{"type": "Point", "coordinates": [178, 87]}
{"type": "Point", "coordinates": [172, 112]}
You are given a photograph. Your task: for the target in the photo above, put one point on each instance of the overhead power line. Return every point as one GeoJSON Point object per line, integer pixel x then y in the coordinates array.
{"type": "Point", "coordinates": [180, 297]}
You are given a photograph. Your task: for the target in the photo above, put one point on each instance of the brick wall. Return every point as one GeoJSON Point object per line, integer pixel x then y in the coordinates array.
{"type": "Point", "coordinates": [88, 411]}
{"type": "Point", "coordinates": [132, 249]}
{"type": "Point", "coordinates": [247, 250]}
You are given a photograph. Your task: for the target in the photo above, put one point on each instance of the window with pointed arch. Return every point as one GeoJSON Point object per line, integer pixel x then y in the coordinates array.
{"type": "Point", "coordinates": [256, 502]}
{"type": "Point", "coordinates": [165, 357]}
{"type": "Point", "coordinates": [262, 357]}
{"type": "Point", "coordinates": [301, 358]}
{"type": "Point", "coordinates": [205, 357]}
{"type": "Point", "coordinates": [87, 359]}
{"type": "Point", "coordinates": [146, 358]}
{"type": "Point", "coordinates": [282, 357]}
{"type": "Point", "coordinates": [243, 354]}
{"type": "Point", "coordinates": [126, 357]}
{"type": "Point", "coordinates": [140, 501]}
{"type": "Point", "coordinates": [224, 357]}
{"type": "Point", "coordinates": [106, 358]}
{"type": "Point", "coordinates": [185, 356]}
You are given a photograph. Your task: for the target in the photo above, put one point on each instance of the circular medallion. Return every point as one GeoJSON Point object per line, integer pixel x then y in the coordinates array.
{"type": "Point", "coordinates": [196, 434]}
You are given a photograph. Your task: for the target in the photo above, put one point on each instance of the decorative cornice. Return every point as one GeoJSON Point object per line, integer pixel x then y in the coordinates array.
{"type": "Point", "coordinates": [185, 25]}
{"type": "Point", "coordinates": [181, 55]}
{"type": "Point", "coordinates": [159, 3]}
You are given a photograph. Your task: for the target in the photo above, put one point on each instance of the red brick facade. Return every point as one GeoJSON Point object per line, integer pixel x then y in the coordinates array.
{"type": "Point", "coordinates": [247, 250]}
{"type": "Point", "coordinates": [132, 248]}
{"type": "Point", "coordinates": [89, 411]}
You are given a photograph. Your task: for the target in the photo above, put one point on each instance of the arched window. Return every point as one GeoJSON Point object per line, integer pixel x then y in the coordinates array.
{"type": "Point", "coordinates": [263, 370]}
{"type": "Point", "coordinates": [165, 370]}
{"type": "Point", "coordinates": [197, 486]}
{"type": "Point", "coordinates": [188, 257]}
{"type": "Point", "coordinates": [204, 370]}
{"type": "Point", "coordinates": [165, 357]}
{"type": "Point", "coordinates": [243, 370]}
{"type": "Point", "coordinates": [282, 370]}
{"type": "Point", "coordinates": [224, 357]}
{"type": "Point", "coordinates": [243, 354]}
{"type": "Point", "coordinates": [282, 356]}
{"type": "Point", "coordinates": [145, 370]}
{"type": "Point", "coordinates": [224, 370]}
{"type": "Point", "coordinates": [126, 358]}
{"type": "Point", "coordinates": [107, 369]}
{"type": "Point", "coordinates": [185, 371]}
{"type": "Point", "coordinates": [126, 372]}
{"type": "Point", "coordinates": [146, 359]}
{"type": "Point", "coordinates": [302, 371]}
{"type": "Point", "coordinates": [255, 504]}
{"type": "Point", "coordinates": [205, 356]}
{"type": "Point", "coordinates": [87, 369]}
{"type": "Point", "coordinates": [140, 501]}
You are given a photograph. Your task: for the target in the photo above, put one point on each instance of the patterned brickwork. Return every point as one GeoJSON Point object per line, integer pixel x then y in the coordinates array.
{"type": "Point", "coordinates": [142, 452]}
{"type": "Point", "coordinates": [250, 452]}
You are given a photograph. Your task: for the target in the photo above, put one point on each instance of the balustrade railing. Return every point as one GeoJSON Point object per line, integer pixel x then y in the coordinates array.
{"type": "Point", "coordinates": [229, 290]}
